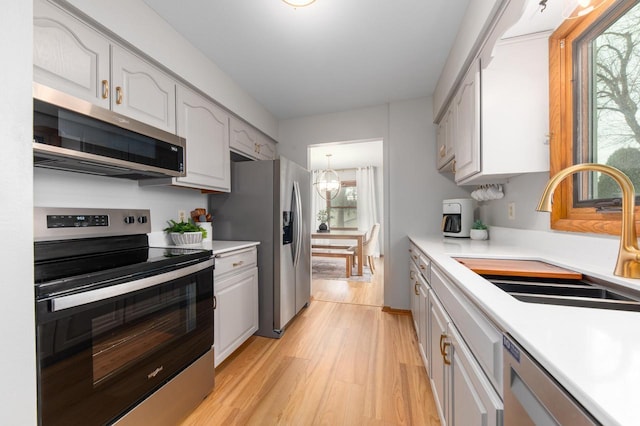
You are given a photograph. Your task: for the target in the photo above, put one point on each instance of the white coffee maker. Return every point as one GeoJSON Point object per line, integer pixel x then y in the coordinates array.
{"type": "Point", "coordinates": [457, 217]}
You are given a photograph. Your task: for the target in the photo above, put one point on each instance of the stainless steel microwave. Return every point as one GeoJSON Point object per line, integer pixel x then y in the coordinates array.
{"type": "Point", "coordinates": [74, 135]}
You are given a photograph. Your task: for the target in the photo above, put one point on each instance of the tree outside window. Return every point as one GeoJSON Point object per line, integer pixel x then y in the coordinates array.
{"type": "Point", "coordinates": [343, 210]}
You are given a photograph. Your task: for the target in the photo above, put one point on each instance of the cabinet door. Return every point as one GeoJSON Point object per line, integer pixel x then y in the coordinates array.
{"type": "Point", "coordinates": [68, 55]}
{"type": "Point", "coordinates": [142, 92]}
{"type": "Point", "coordinates": [414, 294]}
{"type": "Point", "coordinates": [266, 149]}
{"type": "Point", "coordinates": [467, 124]}
{"type": "Point", "coordinates": [473, 399]}
{"type": "Point", "coordinates": [445, 139]}
{"type": "Point", "coordinates": [423, 322]}
{"type": "Point", "coordinates": [243, 138]}
{"type": "Point", "coordinates": [236, 312]}
{"type": "Point", "coordinates": [438, 322]}
{"type": "Point", "coordinates": [205, 127]}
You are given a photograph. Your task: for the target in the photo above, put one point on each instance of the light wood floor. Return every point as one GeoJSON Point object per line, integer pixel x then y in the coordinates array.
{"type": "Point", "coordinates": [349, 291]}
{"type": "Point", "coordinates": [337, 364]}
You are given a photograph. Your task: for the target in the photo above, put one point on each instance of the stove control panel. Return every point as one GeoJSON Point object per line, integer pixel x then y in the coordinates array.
{"type": "Point", "coordinates": [58, 223]}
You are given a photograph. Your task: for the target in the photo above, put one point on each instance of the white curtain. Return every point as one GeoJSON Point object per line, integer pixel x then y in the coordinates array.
{"type": "Point", "coordinates": [367, 203]}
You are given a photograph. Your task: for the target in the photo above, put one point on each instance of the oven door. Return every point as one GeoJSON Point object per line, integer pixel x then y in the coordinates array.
{"type": "Point", "coordinates": [102, 351]}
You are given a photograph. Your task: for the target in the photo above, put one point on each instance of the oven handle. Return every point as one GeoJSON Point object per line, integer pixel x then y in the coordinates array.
{"type": "Point", "coordinates": [79, 299]}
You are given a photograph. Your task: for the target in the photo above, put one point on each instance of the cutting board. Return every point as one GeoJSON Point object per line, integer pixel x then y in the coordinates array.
{"type": "Point", "coordinates": [517, 268]}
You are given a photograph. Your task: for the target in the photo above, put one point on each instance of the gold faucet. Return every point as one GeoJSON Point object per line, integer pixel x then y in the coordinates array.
{"type": "Point", "coordinates": [628, 263]}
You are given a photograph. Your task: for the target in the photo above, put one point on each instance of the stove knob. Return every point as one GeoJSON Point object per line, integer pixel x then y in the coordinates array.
{"type": "Point", "coordinates": [142, 219]}
{"type": "Point", "coordinates": [129, 219]}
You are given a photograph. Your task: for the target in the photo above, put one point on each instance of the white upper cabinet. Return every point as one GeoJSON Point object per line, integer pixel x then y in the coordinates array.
{"type": "Point", "coordinates": [247, 141]}
{"type": "Point", "coordinates": [514, 109]}
{"type": "Point", "coordinates": [69, 56]}
{"type": "Point", "coordinates": [445, 140]}
{"type": "Point", "coordinates": [466, 107]}
{"type": "Point", "coordinates": [205, 127]}
{"type": "Point", "coordinates": [141, 91]}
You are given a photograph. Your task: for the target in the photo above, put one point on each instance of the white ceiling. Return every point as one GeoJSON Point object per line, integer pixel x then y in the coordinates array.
{"type": "Point", "coordinates": [331, 56]}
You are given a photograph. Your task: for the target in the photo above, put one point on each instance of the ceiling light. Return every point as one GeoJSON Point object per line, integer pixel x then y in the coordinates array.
{"type": "Point", "coordinates": [328, 182]}
{"type": "Point", "coordinates": [298, 3]}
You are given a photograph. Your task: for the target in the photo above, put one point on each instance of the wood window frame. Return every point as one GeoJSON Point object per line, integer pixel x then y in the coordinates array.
{"type": "Point", "coordinates": [566, 217]}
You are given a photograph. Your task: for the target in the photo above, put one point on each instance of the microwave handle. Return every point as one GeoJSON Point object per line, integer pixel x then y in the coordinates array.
{"type": "Point", "coordinates": [79, 299]}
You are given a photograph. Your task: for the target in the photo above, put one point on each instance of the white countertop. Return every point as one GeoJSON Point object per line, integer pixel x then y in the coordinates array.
{"type": "Point", "coordinates": [593, 353]}
{"type": "Point", "coordinates": [160, 239]}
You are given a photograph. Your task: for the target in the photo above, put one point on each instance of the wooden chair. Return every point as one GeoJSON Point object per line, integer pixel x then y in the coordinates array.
{"type": "Point", "coordinates": [368, 247]}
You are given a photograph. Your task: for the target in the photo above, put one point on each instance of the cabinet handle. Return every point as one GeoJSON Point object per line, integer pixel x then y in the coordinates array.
{"type": "Point", "coordinates": [119, 95]}
{"type": "Point", "coordinates": [412, 275]}
{"type": "Point", "coordinates": [105, 89]}
{"type": "Point", "coordinates": [454, 166]}
{"type": "Point", "coordinates": [238, 263]}
{"type": "Point", "coordinates": [443, 151]}
{"type": "Point", "coordinates": [422, 267]}
{"type": "Point", "coordinates": [215, 302]}
{"type": "Point", "coordinates": [415, 288]}
{"type": "Point", "coordinates": [444, 353]}
{"type": "Point", "coordinates": [443, 348]}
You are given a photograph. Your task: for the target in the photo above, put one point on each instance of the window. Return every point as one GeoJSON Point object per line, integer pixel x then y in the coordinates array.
{"type": "Point", "coordinates": [594, 104]}
{"type": "Point", "coordinates": [343, 210]}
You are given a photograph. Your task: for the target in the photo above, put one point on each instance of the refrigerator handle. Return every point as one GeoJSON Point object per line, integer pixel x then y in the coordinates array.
{"type": "Point", "coordinates": [297, 223]}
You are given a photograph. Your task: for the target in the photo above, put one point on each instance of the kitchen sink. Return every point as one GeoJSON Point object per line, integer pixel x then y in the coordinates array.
{"type": "Point", "coordinates": [567, 292]}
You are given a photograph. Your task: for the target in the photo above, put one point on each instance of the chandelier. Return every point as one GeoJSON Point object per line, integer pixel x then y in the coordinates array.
{"type": "Point", "coordinates": [298, 3]}
{"type": "Point", "coordinates": [328, 182]}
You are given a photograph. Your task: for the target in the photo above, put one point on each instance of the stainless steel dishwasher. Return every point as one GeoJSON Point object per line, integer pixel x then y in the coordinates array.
{"type": "Point", "coordinates": [532, 396]}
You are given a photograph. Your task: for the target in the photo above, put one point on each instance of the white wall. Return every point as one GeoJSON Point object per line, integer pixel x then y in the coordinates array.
{"type": "Point", "coordinates": [139, 25]}
{"type": "Point", "coordinates": [17, 325]}
{"type": "Point", "coordinates": [524, 191]}
{"type": "Point", "coordinates": [54, 188]}
{"type": "Point", "coordinates": [413, 188]}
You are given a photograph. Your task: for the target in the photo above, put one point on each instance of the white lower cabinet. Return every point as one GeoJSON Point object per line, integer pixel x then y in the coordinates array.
{"type": "Point", "coordinates": [235, 301]}
{"type": "Point", "coordinates": [460, 349]}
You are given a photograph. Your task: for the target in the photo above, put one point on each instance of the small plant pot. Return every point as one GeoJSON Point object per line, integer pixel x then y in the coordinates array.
{"type": "Point", "coordinates": [479, 234]}
{"type": "Point", "coordinates": [186, 238]}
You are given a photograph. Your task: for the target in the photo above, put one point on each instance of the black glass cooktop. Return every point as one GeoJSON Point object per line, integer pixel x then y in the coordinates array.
{"type": "Point", "coordinates": [64, 265]}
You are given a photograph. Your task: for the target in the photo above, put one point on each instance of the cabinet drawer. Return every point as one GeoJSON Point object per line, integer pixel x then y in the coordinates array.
{"type": "Point", "coordinates": [424, 265]}
{"type": "Point", "coordinates": [414, 253]}
{"type": "Point", "coordinates": [235, 261]}
{"type": "Point", "coordinates": [478, 332]}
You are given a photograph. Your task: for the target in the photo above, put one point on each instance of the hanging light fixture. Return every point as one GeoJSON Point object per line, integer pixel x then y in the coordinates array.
{"type": "Point", "coordinates": [328, 182]}
{"type": "Point", "coordinates": [572, 9]}
{"type": "Point", "coordinates": [298, 3]}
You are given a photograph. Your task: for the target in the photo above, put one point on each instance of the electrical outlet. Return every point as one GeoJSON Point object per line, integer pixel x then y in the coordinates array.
{"type": "Point", "coordinates": [182, 216]}
{"type": "Point", "coordinates": [511, 211]}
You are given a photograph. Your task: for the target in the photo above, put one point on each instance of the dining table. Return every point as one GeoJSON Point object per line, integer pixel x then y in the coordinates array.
{"type": "Point", "coordinates": [345, 234]}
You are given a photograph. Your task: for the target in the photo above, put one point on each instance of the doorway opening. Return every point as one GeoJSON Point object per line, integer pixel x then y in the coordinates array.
{"type": "Point", "coordinates": [343, 270]}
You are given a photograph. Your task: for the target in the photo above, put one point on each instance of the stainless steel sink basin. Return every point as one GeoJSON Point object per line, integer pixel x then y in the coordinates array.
{"type": "Point", "coordinates": [568, 292]}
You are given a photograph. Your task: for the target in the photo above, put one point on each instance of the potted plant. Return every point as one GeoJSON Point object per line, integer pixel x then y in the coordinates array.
{"type": "Point", "coordinates": [323, 217]}
{"type": "Point", "coordinates": [185, 232]}
{"type": "Point", "coordinates": [479, 231]}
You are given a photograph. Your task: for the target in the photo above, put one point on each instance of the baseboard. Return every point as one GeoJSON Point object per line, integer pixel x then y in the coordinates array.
{"type": "Point", "coordinates": [394, 311]}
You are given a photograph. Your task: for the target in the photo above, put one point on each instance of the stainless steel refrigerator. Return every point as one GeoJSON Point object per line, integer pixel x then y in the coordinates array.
{"type": "Point", "coordinates": [269, 202]}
